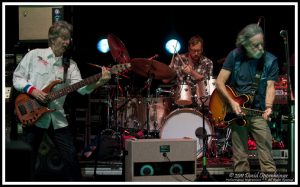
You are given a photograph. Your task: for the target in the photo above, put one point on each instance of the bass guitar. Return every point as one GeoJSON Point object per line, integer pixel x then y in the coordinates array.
{"type": "Point", "coordinates": [221, 113]}
{"type": "Point", "coordinates": [29, 110]}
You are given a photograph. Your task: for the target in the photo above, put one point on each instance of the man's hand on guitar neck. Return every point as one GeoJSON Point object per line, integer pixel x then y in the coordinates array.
{"type": "Point", "coordinates": [267, 113]}
{"type": "Point", "coordinates": [106, 76]}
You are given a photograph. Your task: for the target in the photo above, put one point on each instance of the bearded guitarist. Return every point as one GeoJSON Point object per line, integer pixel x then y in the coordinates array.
{"type": "Point", "coordinates": [35, 76]}
{"type": "Point", "coordinates": [250, 71]}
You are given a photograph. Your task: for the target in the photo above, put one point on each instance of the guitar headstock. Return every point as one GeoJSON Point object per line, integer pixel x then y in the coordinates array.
{"type": "Point", "coordinates": [119, 68]}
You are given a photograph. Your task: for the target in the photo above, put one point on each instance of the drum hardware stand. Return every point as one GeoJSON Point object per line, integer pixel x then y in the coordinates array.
{"type": "Point", "coordinates": [148, 86]}
{"type": "Point", "coordinates": [111, 117]}
{"type": "Point", "coordinates": [204, 175]}
{"type": "Point", "coordinates": [226, 142]}
{"type": "Point", "coordinates": [116, 99]}
{"type": "Point", "coordinates": [114, 114]}
{"type": "Point", "coordinates": [160, 90]}
{"type": "Point", "coordinates": [108, 126]}
{"type": "Point", "coordinates": [222, 146]}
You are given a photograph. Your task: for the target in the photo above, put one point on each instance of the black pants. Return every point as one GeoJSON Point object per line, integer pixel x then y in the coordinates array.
{"type": "Point", "coordinates": [64, 143]}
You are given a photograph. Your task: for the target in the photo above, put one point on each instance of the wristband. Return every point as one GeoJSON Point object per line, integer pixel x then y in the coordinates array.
{"type": "Point", "coordinates": [28, 88]}
{"type": "Point", "coordinates": [31, 89]}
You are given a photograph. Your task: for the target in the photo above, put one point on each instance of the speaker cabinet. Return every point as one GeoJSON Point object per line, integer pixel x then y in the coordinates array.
{"type": "Point", "coordinates": [160, 160]}
{"type": "Point", "coordinates": [49, 165]}
{"type": "Point", "coordinates": [34, 22]}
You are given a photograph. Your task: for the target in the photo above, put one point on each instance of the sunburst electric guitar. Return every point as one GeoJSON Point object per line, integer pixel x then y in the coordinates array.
{"type": "Point", "coordinates": [221, 113]}
{"type": "Point", "coordinates": [29, 110]}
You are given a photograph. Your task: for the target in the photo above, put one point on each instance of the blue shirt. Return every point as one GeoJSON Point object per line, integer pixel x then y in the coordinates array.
{"type": "Point", "coordinates": [243, 71]}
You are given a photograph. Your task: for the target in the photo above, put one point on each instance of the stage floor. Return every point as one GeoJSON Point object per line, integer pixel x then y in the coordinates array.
{"type": "Point", "coordinates": [112, 171]}
{"type": "Point", "coordinates": [219, 170]}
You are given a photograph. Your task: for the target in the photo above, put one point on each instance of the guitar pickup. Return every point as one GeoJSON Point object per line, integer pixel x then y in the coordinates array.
{"type": "Point", "coordinates": [22, 109]}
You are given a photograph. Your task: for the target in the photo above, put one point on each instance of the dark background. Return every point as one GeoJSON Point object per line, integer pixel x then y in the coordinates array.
{"type": "Point", "coordinates": [144, 30]}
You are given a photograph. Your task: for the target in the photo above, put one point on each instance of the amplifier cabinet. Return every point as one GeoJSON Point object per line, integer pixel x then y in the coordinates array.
{"type": "Point", "coordinates": [160, 160]}
{"type": "Point", "coordinates": [34, 21]}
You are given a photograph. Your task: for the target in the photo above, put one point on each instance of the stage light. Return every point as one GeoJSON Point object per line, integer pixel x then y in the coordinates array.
{"type": "Point", "coordinates": [173, 46]}
{"type": "Point", "coordinates": [102, 46]}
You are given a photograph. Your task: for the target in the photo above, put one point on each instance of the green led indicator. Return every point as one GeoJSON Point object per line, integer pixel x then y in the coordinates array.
{"type": "Point", "coordinates": [164, 148]}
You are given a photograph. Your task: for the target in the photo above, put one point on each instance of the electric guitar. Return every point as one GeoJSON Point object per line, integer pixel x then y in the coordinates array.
{"type": "Point", "coordinates": [221, 113]}
{"type": "Point", "coordinates": [29, 110]}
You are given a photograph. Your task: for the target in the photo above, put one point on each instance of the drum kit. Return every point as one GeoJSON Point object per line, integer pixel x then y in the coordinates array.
{"type": "Point", "coordinates": [171, 113]}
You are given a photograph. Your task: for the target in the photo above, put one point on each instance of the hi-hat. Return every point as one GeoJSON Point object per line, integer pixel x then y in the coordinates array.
{"type": "Point", "coordinates": [117, 49]}
{"type": "Point", "coordinates": [146, 67]}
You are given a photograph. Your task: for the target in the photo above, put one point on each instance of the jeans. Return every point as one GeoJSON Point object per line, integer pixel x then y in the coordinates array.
{"type": "Point", "coordinates": [261, 133]}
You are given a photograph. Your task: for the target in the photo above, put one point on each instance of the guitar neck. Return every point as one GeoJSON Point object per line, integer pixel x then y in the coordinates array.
{"type": "Point", "coordinates": [64, 91]}
{"type": "Point", "coordinates": [252, 112]}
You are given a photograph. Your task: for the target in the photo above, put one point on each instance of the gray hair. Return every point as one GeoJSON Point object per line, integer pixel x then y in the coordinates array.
{"type": "Point", "coordinates": [246, 33]}
{"type": "Point", "coordinates": [59, 29]}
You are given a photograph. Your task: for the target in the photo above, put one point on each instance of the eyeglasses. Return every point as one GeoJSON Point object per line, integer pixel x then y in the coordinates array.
{"type": "Point", "coordinates": [65, 37]}
{"type": "Point", "coordinates": [195, 51]}
{"type": "Point", "coordinates": [256, 45]}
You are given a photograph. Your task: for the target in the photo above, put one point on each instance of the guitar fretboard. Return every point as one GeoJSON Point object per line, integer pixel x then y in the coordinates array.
{"type": "Point", "coordinates": [59, 93]}
{"type": "Point", "coordinates": [251, 111]}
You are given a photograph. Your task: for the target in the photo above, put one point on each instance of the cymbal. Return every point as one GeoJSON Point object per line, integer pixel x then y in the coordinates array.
{"type": "Point", "coordinates": [146, 67]}
{"type": "Point", "coordinates": [117, 49]}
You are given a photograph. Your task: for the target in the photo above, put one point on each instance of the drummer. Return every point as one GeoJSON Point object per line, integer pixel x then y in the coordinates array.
{"type": "Point", "coordinates": [192, 68]}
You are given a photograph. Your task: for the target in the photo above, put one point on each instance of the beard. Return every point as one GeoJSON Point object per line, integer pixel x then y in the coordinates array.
{"type": "Point", "coordinates": [258, 54]}
{"type": "Point", "coordinates": [195, 58]}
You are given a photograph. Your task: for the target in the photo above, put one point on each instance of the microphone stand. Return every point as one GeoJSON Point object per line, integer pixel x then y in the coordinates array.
{"type": "Point", "coordinates": [204, 175]}
{"type": "Point", "coordinates": [291, 129]}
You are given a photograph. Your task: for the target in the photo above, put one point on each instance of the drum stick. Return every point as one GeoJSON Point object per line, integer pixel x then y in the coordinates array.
{"type": "Point", "coordinates": [174, 52]}
{"type": "Point", "coordinates": [178, 56]}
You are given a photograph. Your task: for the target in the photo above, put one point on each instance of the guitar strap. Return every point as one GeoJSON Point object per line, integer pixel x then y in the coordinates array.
{"type": "Point", "coordinates": [66, 64]}
{"type": "Point", "coordinates": [254, 85]}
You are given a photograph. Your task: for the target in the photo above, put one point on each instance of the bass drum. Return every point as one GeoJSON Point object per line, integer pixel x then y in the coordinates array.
{"type": "Point", "coordinates": [188, 123]}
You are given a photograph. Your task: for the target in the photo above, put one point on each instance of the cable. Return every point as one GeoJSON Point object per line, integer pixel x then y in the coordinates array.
{"type": "Point", "coordinates": [166, 156]}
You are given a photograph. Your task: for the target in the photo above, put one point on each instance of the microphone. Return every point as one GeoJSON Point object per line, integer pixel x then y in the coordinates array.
{"type": "Point", "coordinates": [283, 33]}
{"type": "Point", "coordinates": [200, 132]}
